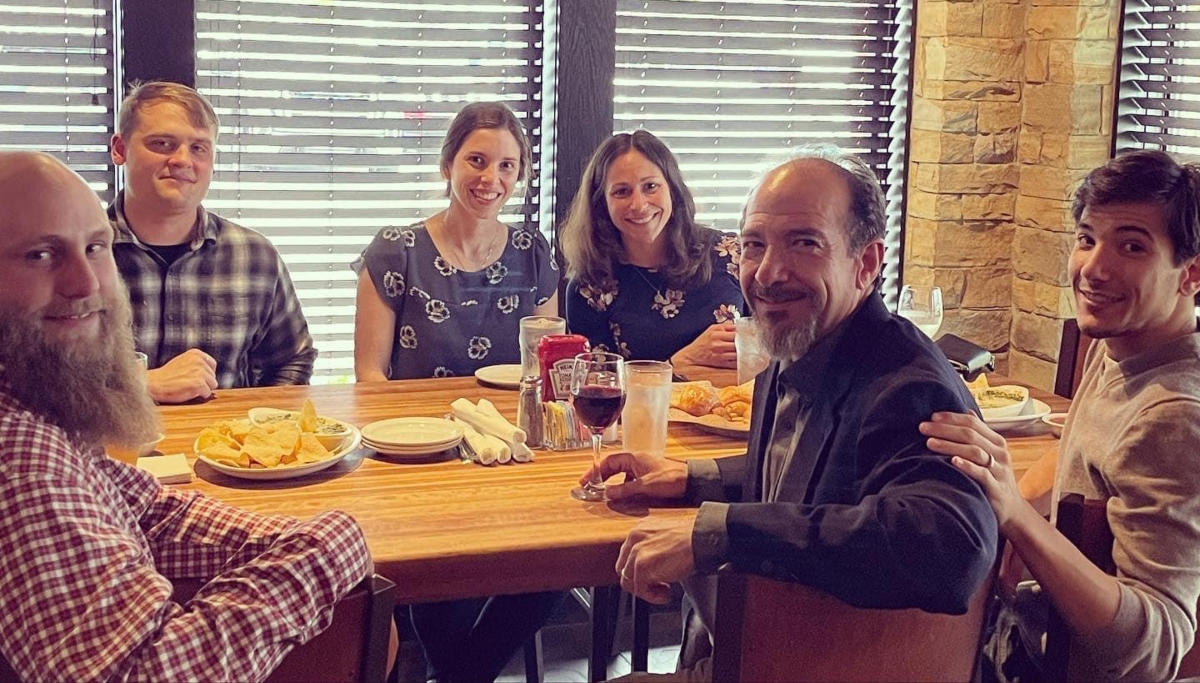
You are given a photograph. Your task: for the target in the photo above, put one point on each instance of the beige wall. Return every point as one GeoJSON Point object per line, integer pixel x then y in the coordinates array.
{"type": "Point", "coordinates": [1012, 106]}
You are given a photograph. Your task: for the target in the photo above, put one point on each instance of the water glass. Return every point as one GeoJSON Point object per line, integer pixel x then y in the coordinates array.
{"type": "Point", "coordinates": [647, 403]}
{"type": "Point", "coordinates": [533, 328]}
{"type": "Point", "coordinates": [752, 358]}
{"type": "Point", "coordinates": [922, 306]}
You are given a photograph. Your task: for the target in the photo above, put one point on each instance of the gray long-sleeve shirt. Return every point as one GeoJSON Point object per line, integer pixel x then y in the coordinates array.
{"type": "Point", "coordinates": [1133, 437]}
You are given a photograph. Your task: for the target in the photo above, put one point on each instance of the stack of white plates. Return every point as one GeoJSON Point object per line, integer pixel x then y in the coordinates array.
{"type": "Point", "coordinates": [412, 436]}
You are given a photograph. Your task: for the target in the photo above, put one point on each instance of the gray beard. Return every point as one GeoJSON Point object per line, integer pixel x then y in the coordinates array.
{"type": "Point", "coordinates": [789, 343]}
{"type": "Point", "coordinates": [95, 390]}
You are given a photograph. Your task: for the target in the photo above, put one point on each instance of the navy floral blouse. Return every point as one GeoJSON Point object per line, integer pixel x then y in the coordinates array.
{"type": "Point", "coordinates": [641, 318]}
{"type": "Point", "coordinates": [451, 322]}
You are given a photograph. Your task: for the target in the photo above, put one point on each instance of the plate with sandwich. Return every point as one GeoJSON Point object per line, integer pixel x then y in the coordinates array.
{"type": "Point", "coordinates": [724, 411]}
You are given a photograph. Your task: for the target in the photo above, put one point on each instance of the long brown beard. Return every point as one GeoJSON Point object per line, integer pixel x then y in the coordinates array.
{"type": "Point", "coordinates": [94, 389]}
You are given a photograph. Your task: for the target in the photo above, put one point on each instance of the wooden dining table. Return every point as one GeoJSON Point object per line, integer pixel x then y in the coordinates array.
{"type": "Point", "coordinates": [454, 529]}
{"type": "Point", "coordinates": [445, 529]}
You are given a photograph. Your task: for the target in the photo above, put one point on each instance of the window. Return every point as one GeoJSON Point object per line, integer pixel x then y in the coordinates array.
{"type": "Point", "coordinates": [56, 76]}
{"type": "Point", "coordinates": [1159, 101]}
{"type": "Point", "coordinates": [332, 116]}
{"type": "Point", "coordinates": [727, 85]}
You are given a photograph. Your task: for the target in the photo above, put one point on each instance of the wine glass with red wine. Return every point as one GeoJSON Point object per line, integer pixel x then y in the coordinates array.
{"type": "Point", "coordinates": [597, 394]}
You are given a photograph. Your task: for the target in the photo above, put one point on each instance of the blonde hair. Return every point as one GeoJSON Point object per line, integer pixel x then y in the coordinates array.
{"type": "Point", "coordinates": [142, 95]}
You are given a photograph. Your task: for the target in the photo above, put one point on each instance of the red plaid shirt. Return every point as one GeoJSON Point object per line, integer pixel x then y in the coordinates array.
{"type": "Point", "coordinates": [89, 549]}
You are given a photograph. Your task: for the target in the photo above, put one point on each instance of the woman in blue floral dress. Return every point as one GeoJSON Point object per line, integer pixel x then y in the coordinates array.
{"type": "Point", "coordinates": [647, 281]}
{"type": "Point", "coordinates": [444, 297]}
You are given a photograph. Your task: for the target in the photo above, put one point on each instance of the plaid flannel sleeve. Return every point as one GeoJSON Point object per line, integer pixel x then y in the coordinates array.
{"type": "Point", "coordinates": [284, 353]}
{"type": "Point", "coordinates": [83, 598]}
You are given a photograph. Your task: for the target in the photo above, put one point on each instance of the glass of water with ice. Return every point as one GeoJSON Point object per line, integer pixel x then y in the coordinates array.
{"type": "Point", "coordinates": [647, 402]}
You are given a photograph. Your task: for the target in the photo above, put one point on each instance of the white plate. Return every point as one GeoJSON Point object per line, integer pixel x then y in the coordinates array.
{"type": "Point", "coordinates": [1034, 411]}
{"type": "Point", "coordinates": [401, 449]}
{"type": "Point", "coordinates": [412, 432]}
{"type": "Point", "coordinates": [711, 423]}
{"type": "Point", "coordinates": [411, 453]}
{"type": "Point", "coordinates": [286, 471]}
{"type": "Point", "coordinates": [503, 376]}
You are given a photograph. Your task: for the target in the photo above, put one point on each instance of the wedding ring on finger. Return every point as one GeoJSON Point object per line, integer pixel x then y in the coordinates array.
{"type": "Point", "coordinates": [991, 461]}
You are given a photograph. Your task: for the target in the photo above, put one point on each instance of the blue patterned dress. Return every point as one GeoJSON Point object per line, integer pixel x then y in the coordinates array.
{"type": "Point", "coordinates": [451, 322]}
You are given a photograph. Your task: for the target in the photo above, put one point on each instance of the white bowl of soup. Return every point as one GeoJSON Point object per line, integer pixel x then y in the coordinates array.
{"type": "Point", "coordinates": [1008, 400]}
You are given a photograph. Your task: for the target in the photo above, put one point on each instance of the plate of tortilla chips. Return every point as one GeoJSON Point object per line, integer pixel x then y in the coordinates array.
{"type": "Point", "coordinates": [278, 448]}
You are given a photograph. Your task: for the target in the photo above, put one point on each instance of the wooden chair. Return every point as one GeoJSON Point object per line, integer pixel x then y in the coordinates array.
{"type": "Point", "coordinates": [1085, 523]}
{"type": "Point", "coordinates": [769, 630]}
{"type": "Point", "coordinates": [1071, 351]}
{"type": "Point", "coordinates": [353, 648]}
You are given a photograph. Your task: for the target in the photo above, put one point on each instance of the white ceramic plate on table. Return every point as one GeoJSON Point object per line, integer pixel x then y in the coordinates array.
{"type": "Point", "coordinates": [711, 423]}
{"type": "Point", "coordinates": [503, 376]}
{"type": "Point", "coordinates": [288, 471]}
{"type": "Point", "coordinates": [1035, 410]}
{"type": "Point", "coordinates": [413, 432]}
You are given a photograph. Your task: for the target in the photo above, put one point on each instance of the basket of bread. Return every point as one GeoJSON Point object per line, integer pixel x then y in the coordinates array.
{"type": "Point", "coordinates": [725, 410]}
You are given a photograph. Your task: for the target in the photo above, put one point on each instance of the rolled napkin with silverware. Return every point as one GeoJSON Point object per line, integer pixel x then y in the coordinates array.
{"type": "Point", "coordinates": [484, 451]}
{"type": "Point", "coordinates": [485, 422]}
{"type": "Point", "coordinates": [491, 431]}
{"type": "Point", "coordinates": [521, 453]}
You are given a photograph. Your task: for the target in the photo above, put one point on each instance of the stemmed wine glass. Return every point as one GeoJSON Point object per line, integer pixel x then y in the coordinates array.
{"type": "Point", "coordinates": [922, 306]}
{"type": "Point", "coordinates": [597, 394]}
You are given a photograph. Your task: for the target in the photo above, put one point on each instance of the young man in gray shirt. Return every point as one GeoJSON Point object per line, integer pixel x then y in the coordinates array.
{"type": "Point", "coordinates": [1130, 438]}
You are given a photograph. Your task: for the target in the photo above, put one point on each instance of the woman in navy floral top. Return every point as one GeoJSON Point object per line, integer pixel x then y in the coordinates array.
{"type": "Point", "coordinates": [445, 296]}
{"type": "Point", "coordinates": [647, 281]}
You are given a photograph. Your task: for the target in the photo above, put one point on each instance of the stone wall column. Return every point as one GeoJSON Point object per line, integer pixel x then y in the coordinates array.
{"type": "Point", "coordinates": [1012, 105]}
{"type": "Point", "coordinates": [963, 172]}
{"type": "Point", "coordinates": [1066, 130]}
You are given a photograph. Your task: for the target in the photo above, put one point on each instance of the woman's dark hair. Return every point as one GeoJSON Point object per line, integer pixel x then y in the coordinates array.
{"type": "Point", "coordinates": [592, 244]}
{"type": "Point", "coordinates": [1154, 177]}
{"type": "Point", "coordinates": [479, 115]}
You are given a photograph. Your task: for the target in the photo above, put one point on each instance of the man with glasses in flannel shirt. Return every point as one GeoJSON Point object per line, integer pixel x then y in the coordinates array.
{"type": "Point", "coordinates": [213, 305]}
{"type": "Point", "coordinates": [92, 545]}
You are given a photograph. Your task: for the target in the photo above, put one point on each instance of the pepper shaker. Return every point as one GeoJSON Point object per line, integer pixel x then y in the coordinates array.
{"type": "Point", "coordinates": [529, 411]}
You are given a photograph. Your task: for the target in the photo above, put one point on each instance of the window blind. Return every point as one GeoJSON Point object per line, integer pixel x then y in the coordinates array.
{"type": "Point", "coordinates": [730, 84]}
{"type": "Point", "coordinates": [1159, 101]}
{"type": "Point", "coordinates": [57, 82]}
{"type": "Point", "coordinates": [332, 118]}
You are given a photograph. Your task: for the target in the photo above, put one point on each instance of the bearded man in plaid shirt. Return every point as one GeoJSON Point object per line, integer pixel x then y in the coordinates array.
{"type": "Point", "coordinates": [213, 305]}
{"type": "Point", "coordinates": [92, 545]}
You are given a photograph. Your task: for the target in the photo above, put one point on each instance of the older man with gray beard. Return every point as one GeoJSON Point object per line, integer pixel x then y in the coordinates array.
{"type": "Point", "coordinates": [838, 489]}
{"type": "Point", "coordinates": [91, 545]}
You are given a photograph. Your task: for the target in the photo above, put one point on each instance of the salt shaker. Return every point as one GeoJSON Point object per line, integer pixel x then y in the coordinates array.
{"type": "Point", "coordinates": [529, 411]}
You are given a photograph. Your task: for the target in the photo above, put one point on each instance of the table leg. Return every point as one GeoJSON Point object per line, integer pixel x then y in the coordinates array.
{"type": "Point", "coordinates": [603, 604]}
{"type": "Point", "coordinates": [641, 634]}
